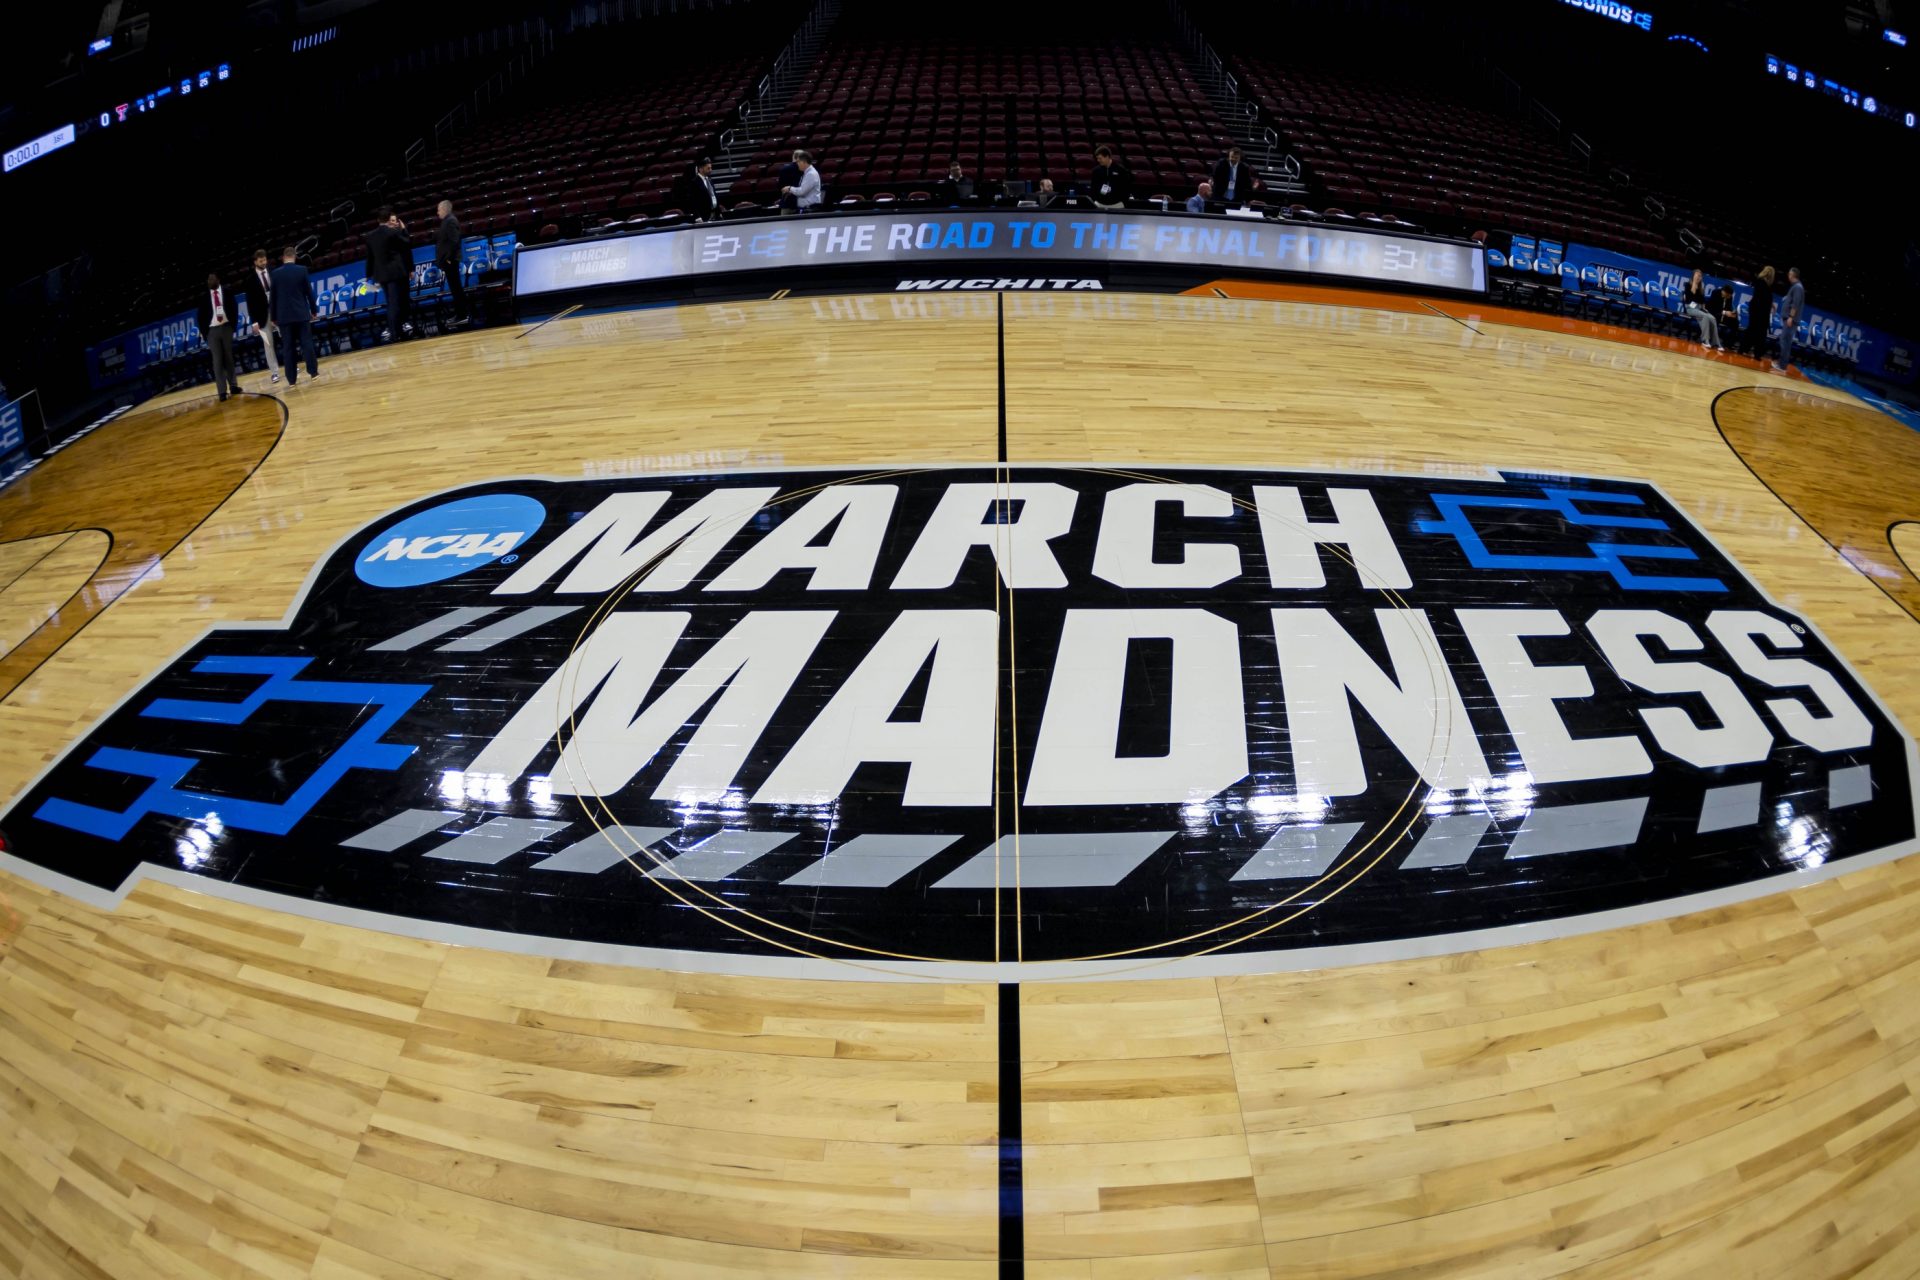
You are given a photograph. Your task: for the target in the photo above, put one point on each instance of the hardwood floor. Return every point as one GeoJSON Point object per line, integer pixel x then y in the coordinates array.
{"type": "Point", "coordinates": [194, 1086]}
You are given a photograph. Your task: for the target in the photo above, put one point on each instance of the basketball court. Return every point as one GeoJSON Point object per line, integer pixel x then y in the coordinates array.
{"type": "Point", "coordinates": [351, 1047]}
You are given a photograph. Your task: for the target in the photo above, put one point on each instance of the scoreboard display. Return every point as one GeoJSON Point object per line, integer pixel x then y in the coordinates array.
{"type": "Point", "coordinates": [115, 115]}
{"type": "Point", "coordinates": [1815, 82]}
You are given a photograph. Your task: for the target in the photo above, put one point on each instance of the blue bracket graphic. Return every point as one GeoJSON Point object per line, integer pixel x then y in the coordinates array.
{"type": "Point", "coordinates": [1605, 557]}
{"type": "Point", "coordinates": [363, 750]}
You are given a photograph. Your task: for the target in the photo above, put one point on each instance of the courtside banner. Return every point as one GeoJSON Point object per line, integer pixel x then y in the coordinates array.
{"type": "Point", "coordinates": [12, 432]}
{"type": "Point", "coordinates": [1026, 241]}
{"type": "Point", "coordinates": [1871, 350]}
{"type": "Point", "coordinates": [336, 291]}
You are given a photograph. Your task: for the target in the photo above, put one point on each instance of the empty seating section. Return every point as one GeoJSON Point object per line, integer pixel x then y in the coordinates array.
{"type": "Point", "coordinates": [1368, 142]}
{"type": "Point", "coordinates": [603, 129]}
{"type": "Point", "coordinates": [630, 114]}
{"type": "Point", "coordinates": [886, 107]}
{"type": "Point", "coordinates": [616, 114]}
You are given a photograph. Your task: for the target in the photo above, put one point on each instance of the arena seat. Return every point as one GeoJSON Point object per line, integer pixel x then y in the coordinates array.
{"type": "Point", "coordinates": [1023, 107]}
{"type": "Point", "coordinates": [603, 128]}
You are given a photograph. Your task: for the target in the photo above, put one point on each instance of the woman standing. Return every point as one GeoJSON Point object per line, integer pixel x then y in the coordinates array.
{"type": "Point", "coordinates": [1759, 311]}
{"type": "Point", "coordinates": [1695, 297]}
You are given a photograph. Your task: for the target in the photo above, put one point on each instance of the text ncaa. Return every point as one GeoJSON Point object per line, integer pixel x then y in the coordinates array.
{"type": "Point", "coordinates": [1227, 712]}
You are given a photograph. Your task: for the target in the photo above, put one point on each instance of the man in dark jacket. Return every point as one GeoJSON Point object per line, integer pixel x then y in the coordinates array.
{"type": "Point", "coordinates": [1111, 182]}
{"type": "Point", "coordinates": [694, 194]}
{"type": "Point", "coordinates": [954, 189]}
{"type": "Point", "coordinates": [1234, 180]}
{"type": "Point", "coordinates": [1793, 306]}
{"type": "Point", "coordinates": [219, 311]}
{"type": "Point", "coordinates": [256, 286]}
{"type": "Point", "coordinates": [390, 265]}
{"type": "Point", "coordinates": [293, 315]}
{"type": "Point", "coordinates": [446, 256]}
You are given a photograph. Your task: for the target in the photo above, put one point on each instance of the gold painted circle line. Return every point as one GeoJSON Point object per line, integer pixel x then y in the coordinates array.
{"type": "Point", "coordinates": [596, 806]}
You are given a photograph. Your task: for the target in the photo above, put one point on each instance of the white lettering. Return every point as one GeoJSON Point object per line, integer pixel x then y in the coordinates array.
{"type": "Point", "coordinates": [1742, 737]}
{"type": "Point", "coordinates": [845, 563]}
{"type": "Point", "coordinates": [608, 544]}
{"type": "Point", "coordinates": [1527, 695]}
{"type": "Point", "coordinates": [751, 668]}
{"type": "Point", "coordinates": [1124, 552]}
{"type": "Point", "coordinates": [961, 522]}
{"type": "Point", "coordinates": [1293, 542]}
{"type": "Point", "coordinates": [1076, 759]}
{"type": "Point", "coordinates": [1843, 727]}
{"type": "Point", "coordinates": [1324, 671]}
{"type": "Point", "coordinates": [948, 750]}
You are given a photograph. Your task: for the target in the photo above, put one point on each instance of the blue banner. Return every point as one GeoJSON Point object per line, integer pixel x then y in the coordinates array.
{"type": "Point", "coordinates": [1872, 351]}
{"type": "Point", "coordinates": [12, 433]}
{"type": "Point", "coordinates": [336, 291]}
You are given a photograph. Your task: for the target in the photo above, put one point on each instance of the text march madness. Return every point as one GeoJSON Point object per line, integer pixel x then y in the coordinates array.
{"type": "Point", "coordinates": [960, 714]}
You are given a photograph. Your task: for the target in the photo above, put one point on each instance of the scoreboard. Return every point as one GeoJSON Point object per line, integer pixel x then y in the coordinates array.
{"type": "Point", "coordinates": [115, 115]}
{"type": "Point", "coordinates": [1814, 82]}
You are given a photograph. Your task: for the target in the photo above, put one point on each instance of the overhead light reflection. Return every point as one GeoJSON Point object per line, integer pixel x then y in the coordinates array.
{"type": "Point", "coordinates": [1803, 841]}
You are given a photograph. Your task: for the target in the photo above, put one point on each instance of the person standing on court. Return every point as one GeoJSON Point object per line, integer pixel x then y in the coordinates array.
{"type": "Point", "coordinates": [216, 316]}
{"type": "Point", "coordinates": [293, 315]}
{"type": "Point", "coordinates": [693, 192]}
{"type": "Point", "coordinates": [806, 192]}
{"type": "Point", "coordinates": [1792, 305]}
{"type": "Point", "coordinates": [446, 256]}
{"type": "Point", "coordinates": [1234, 180]}
{"type": "Point", "coordinates": [1111, 181]}
{"type": "Point", "coordinates": [256, 286]}
{"type": "Point", "coordinates": [390, 265]}
{"type": "Point", "coordinates": [1759, 311]}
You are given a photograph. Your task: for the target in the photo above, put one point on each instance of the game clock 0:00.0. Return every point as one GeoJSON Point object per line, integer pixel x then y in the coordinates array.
{"type": "Point", "coordinates": [40, 146]}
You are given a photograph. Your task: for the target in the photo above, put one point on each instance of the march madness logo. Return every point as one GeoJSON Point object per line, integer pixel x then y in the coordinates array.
{"type": "Point", "coordinates": [1210, 713]}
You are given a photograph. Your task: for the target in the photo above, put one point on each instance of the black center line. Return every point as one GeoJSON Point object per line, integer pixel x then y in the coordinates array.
{"type": "Point", "coordinates": [1013, 1215]}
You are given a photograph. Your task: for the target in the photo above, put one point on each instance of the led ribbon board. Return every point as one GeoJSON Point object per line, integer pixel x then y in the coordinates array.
{"type": "Point", "coordinates": [1025, 241]}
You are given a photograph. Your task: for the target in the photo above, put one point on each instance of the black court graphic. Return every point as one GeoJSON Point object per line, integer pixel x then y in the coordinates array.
{"type": "Point", "coordinates": [761, 715]}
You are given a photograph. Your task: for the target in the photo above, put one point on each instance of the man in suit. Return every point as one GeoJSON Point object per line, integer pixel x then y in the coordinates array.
{"type": "Point", "coordinates": [1046, 195]}
{"type": "Point", "coordinates": [217, 314]}
{"type": "Point", "coordinates": [693, 192]}
{"type": "Point", "coordinates": [293, 315]}
{"type": "Point", "coordinates": [1234, 180]}
{"type": "Point", "coordinates": [218, 311]}
{"type": "Point", "coordinates": [446, 256]}
{"type": "Point", "coordinates": [390, 265]}
{"type": "Point", "coordinates": [256, 286]}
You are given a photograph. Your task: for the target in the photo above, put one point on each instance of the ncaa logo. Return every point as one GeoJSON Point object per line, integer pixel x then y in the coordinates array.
{"type": "Point", "coordinates": [449, 540]}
